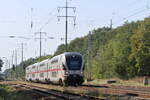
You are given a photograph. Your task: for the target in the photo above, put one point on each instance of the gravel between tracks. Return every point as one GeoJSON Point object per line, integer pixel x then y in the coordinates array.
{"type": "Point", "coordinates": [139, 92]}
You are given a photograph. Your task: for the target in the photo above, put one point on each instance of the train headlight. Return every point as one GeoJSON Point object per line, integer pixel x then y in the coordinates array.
{"type": "Point", "coordinates": [66, 73]}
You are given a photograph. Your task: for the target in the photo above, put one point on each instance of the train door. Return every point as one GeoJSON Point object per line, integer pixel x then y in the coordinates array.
{"type": "Point", "coordinates": [37, 74]}
{"type": "Point", "coordinates": [54, 69]}
{"type": "Point", "coordinates": [33, 74]}
{"type": "Point", "coordinates": [54, 72]}
{"type": "Point", "coordinates": [49, 71]}
{"type": "Point", "coordinates": [60, 72]}
{"type": "Point", "coordinates": [45, 71]}
{"type": "Point", "coordinates": [27, 74]}
{"type": "Point", "coordinates": [42, 71]}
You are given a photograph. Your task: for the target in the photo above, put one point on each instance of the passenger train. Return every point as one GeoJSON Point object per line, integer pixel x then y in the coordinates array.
{"type": "Point", "coordinates": [64, 69]}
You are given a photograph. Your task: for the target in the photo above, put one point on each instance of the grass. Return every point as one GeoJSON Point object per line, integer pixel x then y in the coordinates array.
{"type": "Point", "coordinates": [131, 83]}
{"type": "Point", "coordinates": [118, 82]}
{"type": "Point", "coordinates": [8, 93]}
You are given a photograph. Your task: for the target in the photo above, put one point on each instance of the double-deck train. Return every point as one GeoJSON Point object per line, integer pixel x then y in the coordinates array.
{"type": "Point", "coordinates": [64, 69]}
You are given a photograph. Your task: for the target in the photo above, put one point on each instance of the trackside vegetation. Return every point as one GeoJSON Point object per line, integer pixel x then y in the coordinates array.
{"type": "Point", "coordinates": [9, 93]}
{"type": "Point", "coordinates": [122, 52]}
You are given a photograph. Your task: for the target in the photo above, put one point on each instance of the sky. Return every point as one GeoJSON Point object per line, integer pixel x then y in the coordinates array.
{"type": "Point", "coordinates": [16, 17]}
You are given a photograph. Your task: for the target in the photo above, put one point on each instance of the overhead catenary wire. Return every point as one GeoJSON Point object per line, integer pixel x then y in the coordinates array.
{"type": "Point", "coordinates": [52, 15]}
{"type": "Point", "coordinates": [125, 18]}
{"type": "Point", "coordinates": [137, 11]}
{"type": "Point", "coordinates": [133, 3]}
{"type": "Point", "coordinates": [51, 18]}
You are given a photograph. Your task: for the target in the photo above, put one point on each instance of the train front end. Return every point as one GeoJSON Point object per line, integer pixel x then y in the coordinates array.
{"type": "Point", "coordinates": [74, 69]}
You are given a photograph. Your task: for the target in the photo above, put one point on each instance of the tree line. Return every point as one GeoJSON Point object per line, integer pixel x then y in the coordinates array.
{"type": "Point", "coordinates": [122, 52]}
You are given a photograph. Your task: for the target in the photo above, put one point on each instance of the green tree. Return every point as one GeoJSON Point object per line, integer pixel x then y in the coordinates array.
{"type": "Point", "coordinates": [123, 51]}
{"type": "Point", "coordinates": [140, 57]}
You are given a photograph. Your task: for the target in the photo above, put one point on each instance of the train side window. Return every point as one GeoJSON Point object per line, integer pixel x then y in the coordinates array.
{"type": "Point", "coordinates": [27, 75]}
{"type": "Point", "coordinates": [47, 66]}
{"type": "Point", "coordinates": [54, 61]}
{"type": "Point", "coordinates": [33, 75]}
{"type": "Point", "coordinates": [33, 67]}
{"type": "Point", "coordinates": [54, 74]}
{"type": "Point", "coordinates": [41, 65]}
{"type": "Point", "coordinates": [41, 74]}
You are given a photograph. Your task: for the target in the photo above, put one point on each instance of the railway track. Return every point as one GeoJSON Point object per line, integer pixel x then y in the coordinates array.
{"type": "Point", "coordinates": [59, 94]}
{"type": "Point", "coordinates": [141, 93]}
{"type": "Point", "coordinates": [129, 88]}
{"type": "Point", "coordinates": [132, 91]}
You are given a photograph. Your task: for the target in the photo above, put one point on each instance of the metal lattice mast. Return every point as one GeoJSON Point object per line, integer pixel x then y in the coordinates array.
{"type": "Point", "coordinates": [66, 17]}
{"type": "Point", "coordinates": [40, 38]}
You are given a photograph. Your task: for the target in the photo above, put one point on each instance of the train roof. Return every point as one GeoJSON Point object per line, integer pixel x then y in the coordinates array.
{"type": "Point", "coordinates": [71, 53]}
{"type": "Point", "coordinates": [44, 60]}
{"type": "Point", "coordinates": [32, 65]}
{"type": "Point", "coordinates": [65, 53]}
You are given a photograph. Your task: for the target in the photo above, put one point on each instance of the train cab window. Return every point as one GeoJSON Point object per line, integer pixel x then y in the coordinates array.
{"type": "Point", "coordinates": [74, 62]}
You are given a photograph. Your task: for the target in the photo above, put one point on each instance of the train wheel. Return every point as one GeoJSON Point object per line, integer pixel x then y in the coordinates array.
{"type": "Point", "coordinates": [61, 82]}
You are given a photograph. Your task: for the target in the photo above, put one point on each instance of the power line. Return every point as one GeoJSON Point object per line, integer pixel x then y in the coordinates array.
{"type": "Point", "coordinates": [14, 36]}
{"type": "Point", "coordinates": [66, 16]}
{"type": "Point", "coordinates": [133, 3]}
{"type": "Point", "coordinates": [48, 21]}
{"type": "Point", "coordinates": [131, 15]}
{"type": "Point", "coordinates": [50, 14]}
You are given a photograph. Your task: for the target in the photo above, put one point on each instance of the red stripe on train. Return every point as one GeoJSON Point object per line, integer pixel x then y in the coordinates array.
{"type": "Point", "coordinates": [49, 70]}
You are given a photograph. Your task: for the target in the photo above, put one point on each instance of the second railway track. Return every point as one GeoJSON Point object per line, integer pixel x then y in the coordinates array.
{"type": "Point", "coordinates": [76, 93]}
{"type": "Point", "coordinates": [133, 91]}
{"type": "Point", "coordinates": [59, 94]}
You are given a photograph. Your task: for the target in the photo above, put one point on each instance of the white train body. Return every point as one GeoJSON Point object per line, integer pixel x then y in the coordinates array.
{"type": "Point", "coordinates": [66, 68]}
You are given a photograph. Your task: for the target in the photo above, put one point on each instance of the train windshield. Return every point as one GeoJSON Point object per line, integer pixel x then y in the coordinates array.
{"type": "Point", "coordinates": [74, 62]}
